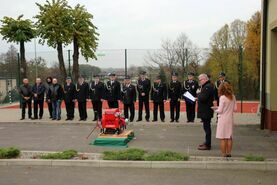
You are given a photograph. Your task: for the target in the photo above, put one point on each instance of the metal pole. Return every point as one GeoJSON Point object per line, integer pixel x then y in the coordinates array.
{"type": "Point", "coordinates": [69, 65]}
{"type": "Point", "coordinates": [18, 70]}
{"type": "Point", "coordinates": [18, 75]}
{"type": "Point", "coordinates": [240, 77]}
{"type": "Point", "coordinates": [126, 72]}
{"type": "Point", "coordinates": [35, 43]}
{"type": "Point", "coordinates": [186, 54]}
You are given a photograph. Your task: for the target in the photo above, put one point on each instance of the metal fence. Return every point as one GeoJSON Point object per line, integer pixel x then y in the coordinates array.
{"type": "Point", "coordinates": [120, 61]}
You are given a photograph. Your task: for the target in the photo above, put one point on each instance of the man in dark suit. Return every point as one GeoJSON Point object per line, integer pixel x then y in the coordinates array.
{"type": "Point", "coordinates": [25, 92]}
{"type": "Point", "coordinates": [191, 86]}
{"type": "Point", "coordinates": [128, 97]}
{"type": "Point", "coordinates": [49, 103]}
{"type": "Point", "coordinates": [55, 95]}
{"type": "Point", "coordinates": [96, 93]}
{"type": "Point", "coordinates": [159, 96]}
{"type": "Point", "coordinates": [143, 88]}
{"type": "Point", "coordinates": [205, 112]}
{"type": "Point", "coordinates": [174, 95]}
{"type": "Point", "coordinates": [69, 97]}
{"type": "Point", "coordinates": [112, 91]}
{"type": "Point", "coordinates": [82, 97]}
{"type": "Point", "coordinates": [38, 95]}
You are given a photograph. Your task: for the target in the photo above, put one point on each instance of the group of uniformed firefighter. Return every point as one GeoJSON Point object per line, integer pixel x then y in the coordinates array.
{"type": "Point", "coordinates": [112, 91]}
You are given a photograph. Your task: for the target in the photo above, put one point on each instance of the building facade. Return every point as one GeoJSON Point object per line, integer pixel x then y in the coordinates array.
{"type": "Point", "coordinates": [269, 65]}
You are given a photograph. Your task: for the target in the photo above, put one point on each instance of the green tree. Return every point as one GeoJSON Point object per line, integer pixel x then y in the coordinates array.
{"type": "Point", "coordinates": [18, 31]}
{"type": "Point", "coordinates": [87, 71]}
{"type": "Point", "coordinates": [53, 24]}
{"type": "Point", "coordinates": [84, 36]}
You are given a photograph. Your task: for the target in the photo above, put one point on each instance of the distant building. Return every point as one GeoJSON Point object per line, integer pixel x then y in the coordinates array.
{"type": "Point", "coordinates": [6, 85]}
{"type": "Point", "coordinates": [269, 65]}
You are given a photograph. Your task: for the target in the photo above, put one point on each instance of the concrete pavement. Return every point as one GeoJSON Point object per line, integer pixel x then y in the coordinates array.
{"type": "Point", "coordinates": [41, 175]}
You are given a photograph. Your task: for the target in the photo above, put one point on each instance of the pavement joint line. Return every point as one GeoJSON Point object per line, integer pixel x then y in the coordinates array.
{"type": "Point", "coordinates": [232, 165]}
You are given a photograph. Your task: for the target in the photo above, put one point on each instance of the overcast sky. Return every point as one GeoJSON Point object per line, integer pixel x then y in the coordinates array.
{"type": "Point", "coordinates": [142, 24]}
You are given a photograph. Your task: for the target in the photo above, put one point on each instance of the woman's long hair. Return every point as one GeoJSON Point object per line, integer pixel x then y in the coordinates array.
{"type": "Point", "coordinates": [226, 89]}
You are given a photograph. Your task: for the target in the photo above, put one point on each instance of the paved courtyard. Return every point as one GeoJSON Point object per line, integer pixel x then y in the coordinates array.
{"type": "Point", "coordinates": [46, 135]}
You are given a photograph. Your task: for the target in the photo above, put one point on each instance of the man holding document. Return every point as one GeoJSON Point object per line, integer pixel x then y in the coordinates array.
{"type": "Point", "coordinates": [190, 88]}
{"type": "Point", "coordinates": [205, 112]}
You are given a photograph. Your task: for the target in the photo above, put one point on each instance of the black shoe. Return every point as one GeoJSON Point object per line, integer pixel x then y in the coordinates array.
{"type": "Point", "coordinates": [171, 121]}
{"type": "Point", "coordinates": [139, 120]}
{"type": "Point", "coordinates": [162, 120]}
{"type": "Point", "coordinates": [177, 121]}
{"type": "Point", "coordinates": [147, 120]}
{"type": "Point", "coordinates": [53, 118]}
{"type": "Point", "coordinates": [67, 119]}
{"type": "Point", "coordinates": [22, 118]}
{"type": "Point", "coordinates": [85, 119]}
{"type": "Point", "coordinates": [58, 119]}
{"type": "Point", "coordinates": [40, 118]}
{"type": "Point", "coordinates": [131, 120]}
{"type": "Point", "coordinates": [50, 117]}
{"type": "Point", "coordinates": [94, 119]}
{"type": "Point", "coordinates": [154, 120]}
{"type": "Point", "coordinates": [80, 119]}
{"type": "Point", "coordinates": [33, 118]}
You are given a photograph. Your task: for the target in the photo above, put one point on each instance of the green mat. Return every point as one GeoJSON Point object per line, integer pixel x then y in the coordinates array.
{"type": "Point", "coordinates": [113, 141]}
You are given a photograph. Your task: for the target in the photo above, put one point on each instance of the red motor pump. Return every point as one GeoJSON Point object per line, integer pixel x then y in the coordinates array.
{"type": "Point", "coordinates": [112, 121]}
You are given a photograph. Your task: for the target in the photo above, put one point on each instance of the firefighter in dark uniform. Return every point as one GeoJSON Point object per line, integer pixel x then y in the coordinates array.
{"type": "Point", "coordinates": [221, 79]}
{"type": "Point", "coordinates": [143, 88]}
{"type": "Point", "coordinates": [69, 97]}
{"type": "Point", "coordinates": [25, 92]}
{"type": "Point", "coordinates": [96, 93]}
{"type": "Point", "coordinates": [158, 96]}
{"type": "Point", "coordinates": [191, 86]}
{"type": "Point", "coordinates": [38, 95]}
{"type": "Point", "coordinates": [112, 91]}
{"type": "Point", "coordinates": [82, 97]}
{"type": "Point", "coordinates": [128, 97]}
{"type": "Point", "coordinates": [174, 95]}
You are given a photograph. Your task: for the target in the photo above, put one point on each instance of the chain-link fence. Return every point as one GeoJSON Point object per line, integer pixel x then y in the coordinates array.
{"type": "Point", "coordinates": [126, 62]}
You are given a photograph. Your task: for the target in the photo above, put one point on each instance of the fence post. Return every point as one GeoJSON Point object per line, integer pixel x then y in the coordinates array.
{"type": "Point", "coordinates": [18, 77]}
{"type": "Point", "coordinates": [69, 65]}
{"type": "Point", "coordinates": [126, 72]}
{"type": "Point", "coordinates": [240, 67]}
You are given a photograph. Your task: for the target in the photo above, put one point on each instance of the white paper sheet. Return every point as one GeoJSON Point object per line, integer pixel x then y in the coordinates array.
{"type": "Point", "coordinates": [189, 96]}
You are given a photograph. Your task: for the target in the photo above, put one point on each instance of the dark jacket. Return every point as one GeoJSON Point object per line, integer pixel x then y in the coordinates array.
{"type": "Point", "coordinates": [205, 101]}
{"type": "Point", "coordinates": [191, 87]}
{"type": "Point", "coordinates": [143, 87]}
{"type": "Point", "coordinates": [55, 92]}
{"type": "Point", "coordinates": [112, 91]}
{"type": "Point", "coordinates": [128, 94]}
{"type": "Point", "coordinates": [216, 86]}
{"type": "Point", "coordinates": [96, 92]}
{"type": "Point", "coordinates": [174, 90]}
{"type": "Point", "coordinates": [69, 92]}
{"type": "Point", "coordinates": [159, 92]}
{"type": "Point", "coordinates": [25, 91]}
{"type": "Point", "coordinates": [39, 90]}
{"type": "Point", "coordinates": [82, 92]}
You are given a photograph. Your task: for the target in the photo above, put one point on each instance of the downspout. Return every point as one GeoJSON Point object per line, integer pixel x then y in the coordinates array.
{"type": "Point", "coordinates": [263, 70]}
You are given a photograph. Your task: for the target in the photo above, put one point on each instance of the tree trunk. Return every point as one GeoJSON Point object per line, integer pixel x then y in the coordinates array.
{"type": "Point", "coordinates": [23, 68]}
{"type": "Point", "coordinates": [75, 59]}
{"type": "Point", "coordinates": [61, 62]}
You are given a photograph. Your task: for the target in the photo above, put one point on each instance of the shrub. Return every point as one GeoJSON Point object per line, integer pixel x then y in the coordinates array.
{"type": "Point", "coordinates": [8, 153]}
{"type": "Point", "coordinates": [166, 156]}
{"type": "Point", "coordinates": [129, 154]}
{"type": "Point", "coordinates": [67, 154]}
{"type": "Point", "coordinates": [254, 158]}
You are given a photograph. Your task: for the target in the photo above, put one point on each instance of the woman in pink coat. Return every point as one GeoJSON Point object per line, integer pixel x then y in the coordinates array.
{"type": "Point", "coordinates": [227, 107]}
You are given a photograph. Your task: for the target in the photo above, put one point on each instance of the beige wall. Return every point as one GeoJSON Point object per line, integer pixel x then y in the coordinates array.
{"type": "Point", "coordinates": [271, 55]}
{"type": "Point", "coordinates": [3, 88]}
